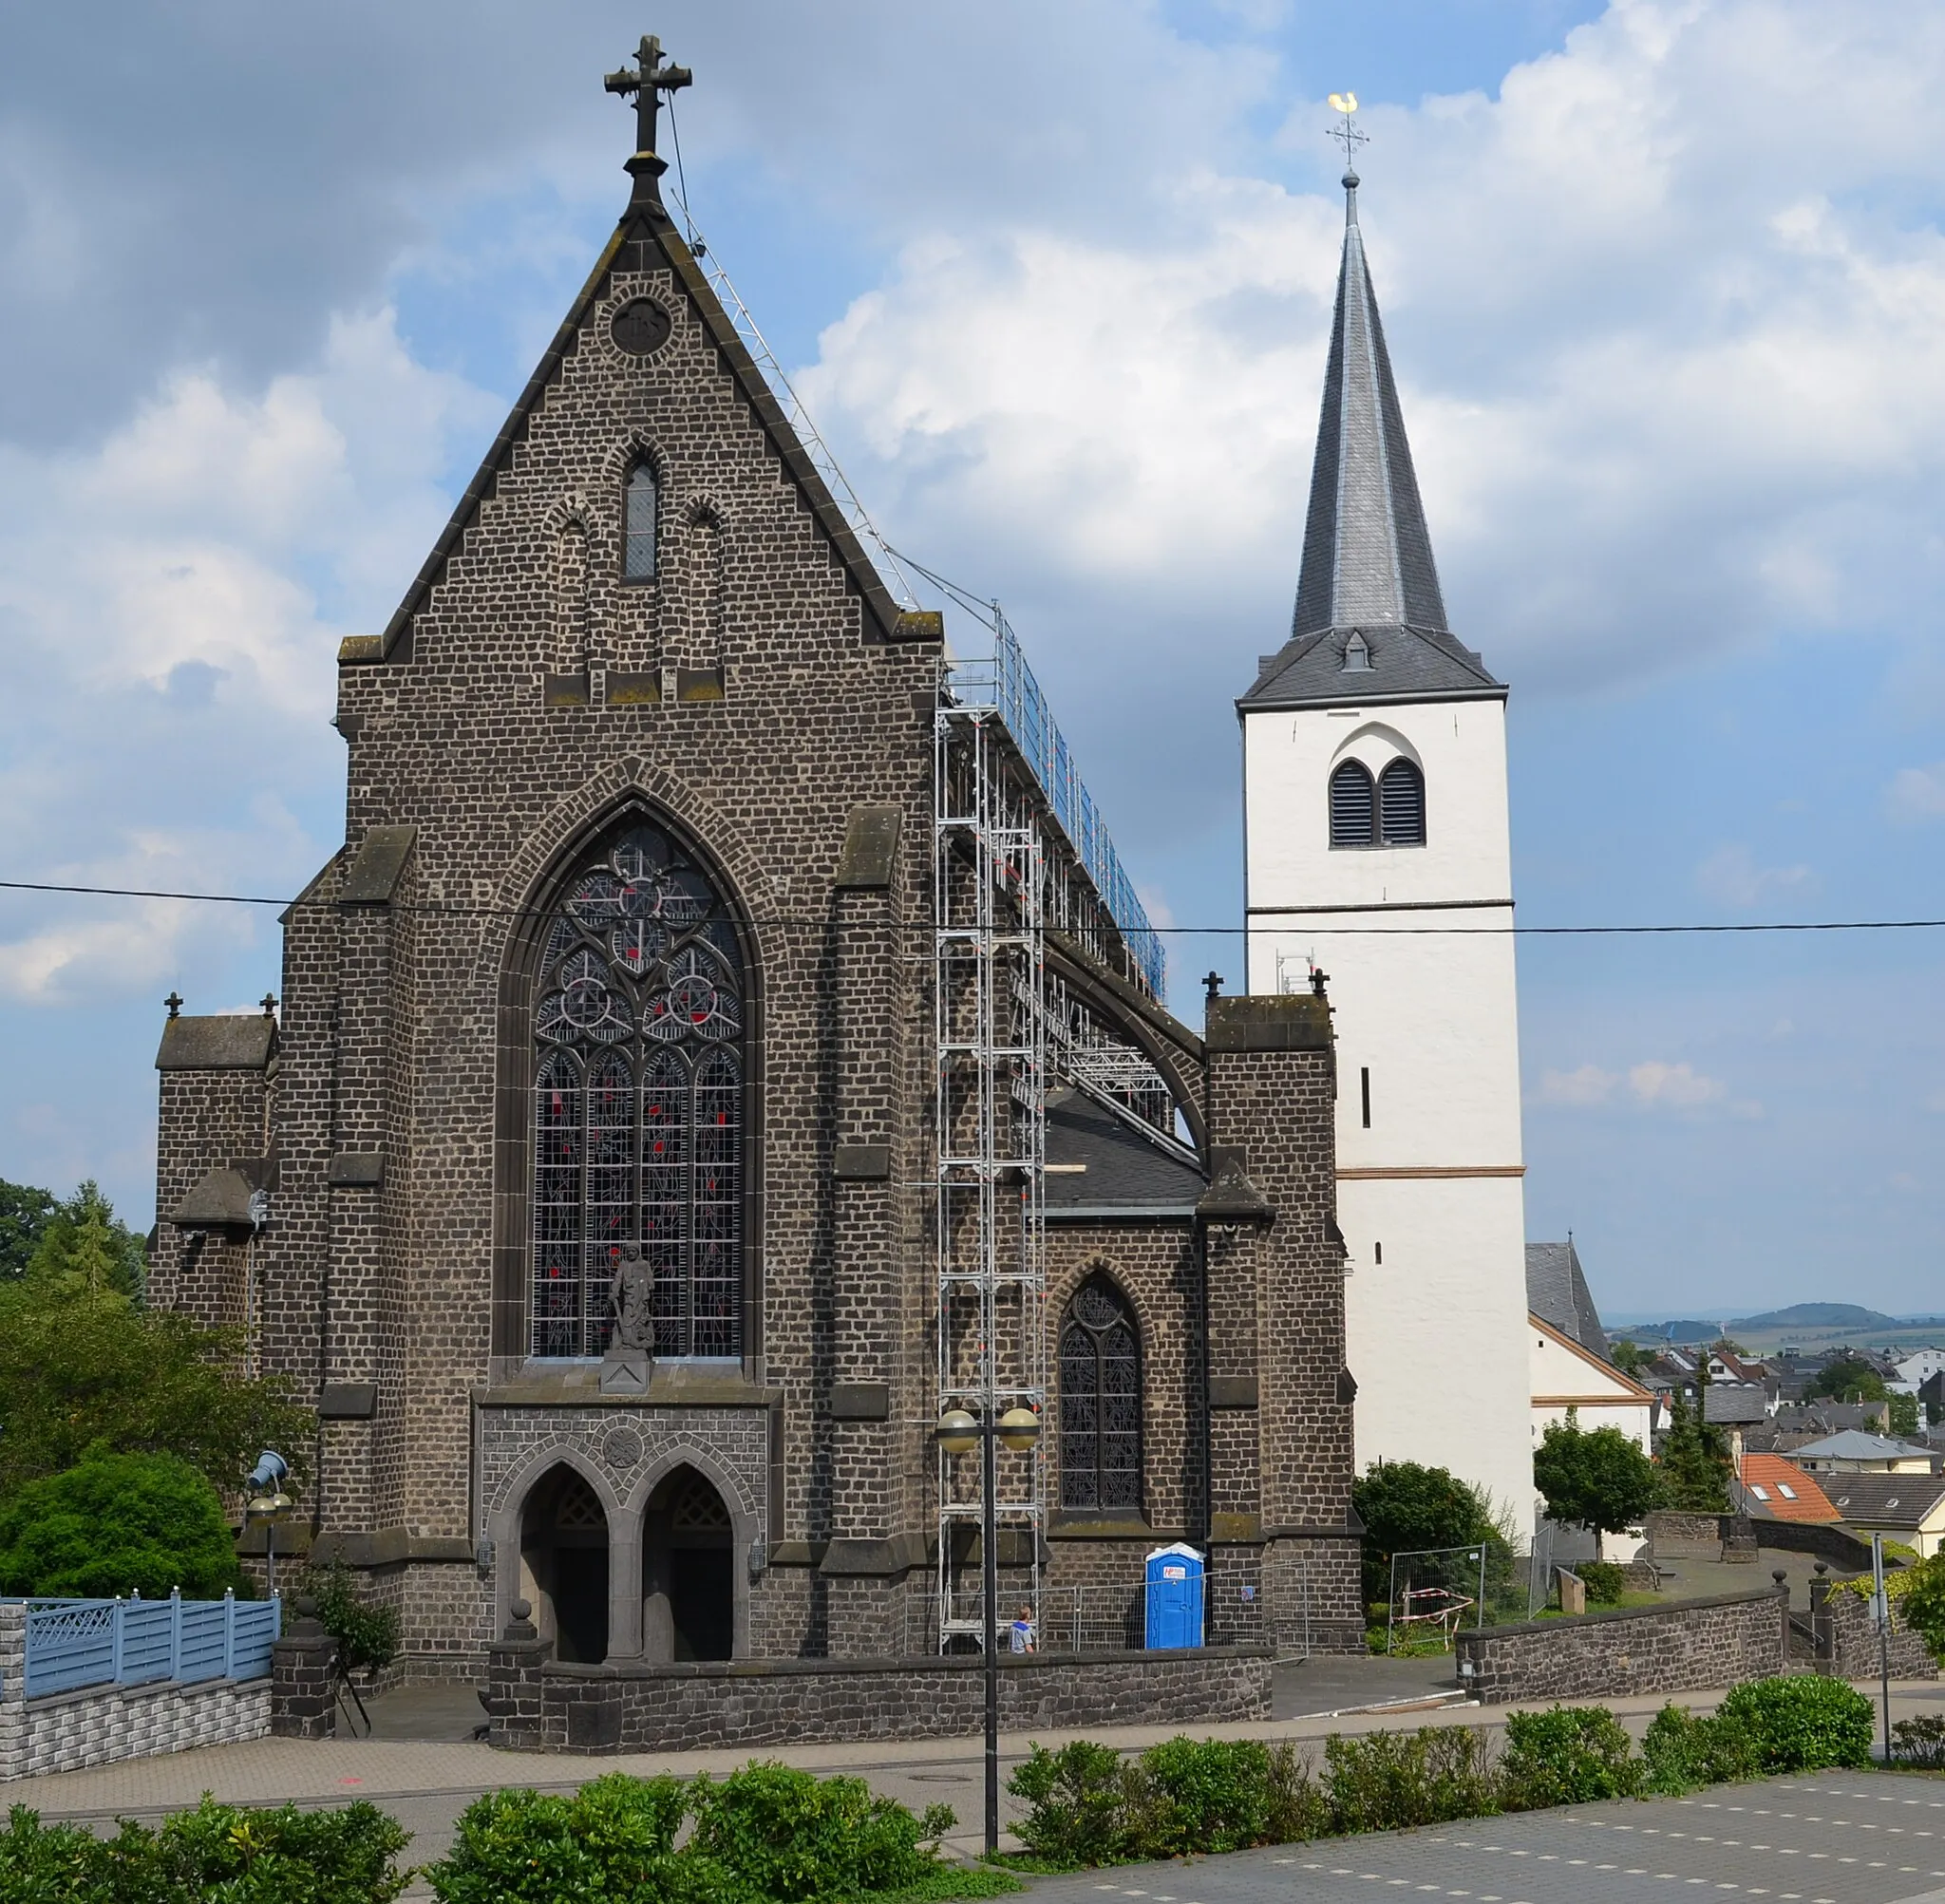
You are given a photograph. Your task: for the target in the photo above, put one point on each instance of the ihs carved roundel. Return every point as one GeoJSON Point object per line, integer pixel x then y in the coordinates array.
{"type": "Point", "coordinates": [641, 327]}
{"type": "Point", "coordinates": [622, 1449]}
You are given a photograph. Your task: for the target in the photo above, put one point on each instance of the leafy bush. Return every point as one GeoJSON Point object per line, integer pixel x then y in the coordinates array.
{"type": "Point", "coordinates": [1567, 1756]}
{"type": "Point", "coordinates": [367, 1635]}
{"type": "Point", "coordinates": [118, 1524]}
{"type": "Point", "coordinates": [792, 1836]}
{"type": "Point", "coordinates": [1407, 1507]}
{"type": "Point", "coordinates": [1604, 1581]}
{"type": "Point", "coordinates": [1077, 1806]}
{"type": "Point", "coordinates": [614, 1839]}
{"type": "Point", "coordinates": [1798, 1722]}
{"type": "Point", "coordinates": [1682, 1751]}
{"type": "Point", "coordinates": [1920, 1742]}
{"type": "Point", "coordinates": [1203, 1794]}
{"type": "Point", "coordinates": [1391, 1780]}
{"type": "Point", "coordinates": [214, 1854]}
{"type": "Point", "coordinates": [1298, 1809]}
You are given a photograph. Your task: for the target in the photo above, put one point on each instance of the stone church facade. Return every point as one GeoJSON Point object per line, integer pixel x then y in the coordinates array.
{"type": "Point", "coordinates": [625, 965]}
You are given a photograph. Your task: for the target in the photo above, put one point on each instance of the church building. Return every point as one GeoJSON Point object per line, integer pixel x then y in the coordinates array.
{"type": "Point", "coordinates": [724, 1073]}
{"type": "Point", "coordinates": [1378, 850]}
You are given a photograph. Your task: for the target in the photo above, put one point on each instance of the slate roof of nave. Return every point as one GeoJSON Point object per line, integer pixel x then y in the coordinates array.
{"type": "Point", "coordinates": [1123, 1170]}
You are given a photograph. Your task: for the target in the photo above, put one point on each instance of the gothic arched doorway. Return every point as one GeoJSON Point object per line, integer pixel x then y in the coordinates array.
{"type": "Point", "coordinates": [565, 1556]}
{"type": "Point", "coordinates": [689, 1573]}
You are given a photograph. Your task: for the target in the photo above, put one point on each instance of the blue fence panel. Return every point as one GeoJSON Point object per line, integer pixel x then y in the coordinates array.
{"type": "Point", "coordinates": [148, 1640]}
{"type": "Point", "coordinates": [258, 1623]}
{"type": "Point", "coordinates": [204, 1649]}
{"type": "Point", "coordinates": [69, 1646]}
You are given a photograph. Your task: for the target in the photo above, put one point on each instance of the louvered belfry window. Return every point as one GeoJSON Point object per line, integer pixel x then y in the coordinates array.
{"type": "Point", "coordinates": [1353, 807]}
{"type": "Point", "coordinates": [638, 1104]}
{"type": "Point", "coordinates": [1100, 1401]}
{"type": "Point", "coordinates": [1400, 804]}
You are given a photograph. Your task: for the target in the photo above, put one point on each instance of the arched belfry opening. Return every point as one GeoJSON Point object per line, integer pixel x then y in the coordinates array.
{"type": "Point", "coordinates": [689, 1573]}
{"type": "Point", "coordinates": [564, 1563]}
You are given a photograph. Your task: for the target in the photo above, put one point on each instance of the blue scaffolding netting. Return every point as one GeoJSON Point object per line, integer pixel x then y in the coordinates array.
{"type": "Point", "coordinates": [1021, 707]}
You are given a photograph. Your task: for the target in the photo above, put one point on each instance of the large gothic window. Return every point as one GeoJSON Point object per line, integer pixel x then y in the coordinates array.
{"type": "Point", "coordinates": [1100, 1401]}
{"type": "Point", "coordinates": [638, 1104]}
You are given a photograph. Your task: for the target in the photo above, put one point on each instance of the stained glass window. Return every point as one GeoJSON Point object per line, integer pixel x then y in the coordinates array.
{"type": "Point", "coordinates": [1100, 1401]}
{"type": "Point", "coordinates": [638, 1113]}
{"type": "Point", "coordinates": [638, 525]}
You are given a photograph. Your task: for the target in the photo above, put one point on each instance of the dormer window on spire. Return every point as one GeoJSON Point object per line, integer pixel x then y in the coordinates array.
{"type": "Point", "coordinates": [1358, 654]}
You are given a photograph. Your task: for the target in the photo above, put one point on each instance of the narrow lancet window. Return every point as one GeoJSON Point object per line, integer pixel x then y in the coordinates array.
{"type": "Point", "coordinates": [1100, 1401]}
{"type": "Point", "coordinates": [638, 525]}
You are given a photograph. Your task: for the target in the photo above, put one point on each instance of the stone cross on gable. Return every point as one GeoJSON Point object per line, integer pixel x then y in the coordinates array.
{"type": "Point", "coordinates": [647, 81]}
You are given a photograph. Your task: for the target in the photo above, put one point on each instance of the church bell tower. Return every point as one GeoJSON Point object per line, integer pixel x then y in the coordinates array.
{"type": "Point", "coordinates": [1375, 789]}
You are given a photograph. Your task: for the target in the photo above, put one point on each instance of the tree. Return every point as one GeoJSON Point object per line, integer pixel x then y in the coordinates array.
{"type": "Point", "coordinates": [1598, 1477]}
{"type": "Point", "coordinates": [1695, 1469]}
{"type": "Point", "coordinates": [1408, 1508]}
{"type": "Point", "coordinates": [1627, 1357]}
{"type": "Point", "coordinates": [1904, 1414]}
{"type": "Point", "coordinates": [81, 1365]}
{"type": "Point", "coordinates": [83, 1243]}
{"type": "Point", "coordinates": [1726, 1345]}
{"type": "Point", "coordinates": [118, 1524]}
{"type": "Point", "coordinates": [1847, 1377]}
{"type": "Point", "coordinates": [23, 1213]}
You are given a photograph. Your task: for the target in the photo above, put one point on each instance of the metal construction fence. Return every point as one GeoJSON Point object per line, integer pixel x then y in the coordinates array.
{"type": "Point", "coordinates": [73, 1644]}
{"type": "Point", "coordinates": [1435, 1592]}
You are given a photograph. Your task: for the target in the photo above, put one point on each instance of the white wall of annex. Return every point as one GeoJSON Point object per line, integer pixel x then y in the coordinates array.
{"type": "Point", "coordinates": [1436, 1334]}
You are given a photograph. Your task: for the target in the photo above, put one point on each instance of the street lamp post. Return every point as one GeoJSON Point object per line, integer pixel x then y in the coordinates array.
{"type": "Point", "coordinates": [269, 1503]}
{"type": "Point", "coordinates": [1019, 1429]}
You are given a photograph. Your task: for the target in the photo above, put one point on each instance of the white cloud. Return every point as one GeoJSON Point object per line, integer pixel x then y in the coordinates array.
{"type": "Point", "coordinates": [1589, 1084]}
{"type": "Point", "coordinates": [1653, 1084]}
{"type": "Point", "coordinates": [1731, 876]}
{"type": "Point", "coordinates": [1916, 793]}
{"type": "Point", "coordinates": [171, 603]}
{"type": "Point", "coordinates": [1675, 1087]}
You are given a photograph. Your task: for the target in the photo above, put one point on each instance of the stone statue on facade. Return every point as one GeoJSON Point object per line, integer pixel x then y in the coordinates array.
{"type": "Point", "coordinates": [629, 1364]}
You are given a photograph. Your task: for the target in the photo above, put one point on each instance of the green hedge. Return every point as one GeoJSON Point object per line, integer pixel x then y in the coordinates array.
{"type": "Point", "coordinates": [214, 1854]}
{"type": "Point", "coordinates": [1088, 1805]}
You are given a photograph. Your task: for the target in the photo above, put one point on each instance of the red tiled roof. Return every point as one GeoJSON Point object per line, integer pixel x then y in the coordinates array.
{"type": "Point", "coordinates": [1772, 1474]}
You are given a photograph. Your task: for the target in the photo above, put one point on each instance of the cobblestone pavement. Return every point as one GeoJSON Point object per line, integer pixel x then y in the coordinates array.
{"type": "Point", "coordinates": [1845, 1839]}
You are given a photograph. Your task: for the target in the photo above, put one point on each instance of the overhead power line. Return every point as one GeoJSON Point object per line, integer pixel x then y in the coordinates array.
{"type": "Point", "coordinates": [458, 909]}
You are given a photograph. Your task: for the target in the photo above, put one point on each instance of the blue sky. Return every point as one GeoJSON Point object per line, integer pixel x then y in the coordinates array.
{"type": "Point", "coordinates": [1664, 285]}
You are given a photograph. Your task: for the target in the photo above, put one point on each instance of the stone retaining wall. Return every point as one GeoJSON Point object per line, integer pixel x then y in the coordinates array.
{"type": "Point", "coordinates": [1681, 1648]}
{"type": "Point", "coordinates": [1847, 1642]}
{"type": "Point", "coordinates": [536, 1704]}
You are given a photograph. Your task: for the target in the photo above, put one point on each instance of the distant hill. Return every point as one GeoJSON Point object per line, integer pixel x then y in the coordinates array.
{"type": "Point", "coordinates": [1815, 1315]}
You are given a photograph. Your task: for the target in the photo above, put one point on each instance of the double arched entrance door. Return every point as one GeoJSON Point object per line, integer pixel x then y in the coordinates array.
{"type": "Point", "coordinates": [680, 1549]}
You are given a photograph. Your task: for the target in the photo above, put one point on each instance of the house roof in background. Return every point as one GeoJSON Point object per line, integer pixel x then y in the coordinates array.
{"type": "Point", "coordinates": [1787, 1492]}
{"type": "Point", "coordinates": [1557, 1291]}
{"type": "Point", "coordinates": [1730, 1405]}
{"type": "Point", "coordinates": [1854, 1445]}
{"type": "Point", "coordinates": [1886, 1500]}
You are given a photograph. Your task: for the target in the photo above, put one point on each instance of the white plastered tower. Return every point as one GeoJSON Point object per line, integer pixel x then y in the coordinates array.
{"type": "Point", "coordinates": [1376, 844]}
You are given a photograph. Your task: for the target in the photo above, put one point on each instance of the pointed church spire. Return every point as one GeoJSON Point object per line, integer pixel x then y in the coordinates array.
{"type": "Point", "coordinates": [1367, 557]}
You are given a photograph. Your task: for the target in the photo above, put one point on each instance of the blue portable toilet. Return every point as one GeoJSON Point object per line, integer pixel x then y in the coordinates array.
{"type": "Point", "coordinates": [1175, 1596]}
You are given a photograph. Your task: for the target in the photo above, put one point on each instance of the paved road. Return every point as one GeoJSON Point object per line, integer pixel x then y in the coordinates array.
{"type": "Point", "coordinates": [1849, 1838]}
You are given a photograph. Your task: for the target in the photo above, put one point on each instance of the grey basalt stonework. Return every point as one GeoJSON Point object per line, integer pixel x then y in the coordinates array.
{"type": "Point", "coordinates": [765, 704]}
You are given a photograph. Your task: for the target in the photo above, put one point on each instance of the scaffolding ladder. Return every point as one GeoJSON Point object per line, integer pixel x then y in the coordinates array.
{"type": "Point", "coordinates": [991, 1020]}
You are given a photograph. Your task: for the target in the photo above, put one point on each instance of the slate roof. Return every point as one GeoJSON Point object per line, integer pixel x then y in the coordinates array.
{"type": "Point", "coordinates": [1367, 562]}
{"type": "Point", "coordinates": [1123, 1170]}
{"type": "Point", "coordinates": [1727, 1406]}
{"type": "Point", "coordinates": [230, 1042]}
{"type": "Point", "coordinates": [1805, 1499]}
{"type": "Point", "coordinates": [1853, 1444]}
{"type": "Point", "coordinates": [1885, 1500]}
{"type": "Point", "coordinates": [1556, 1292]}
